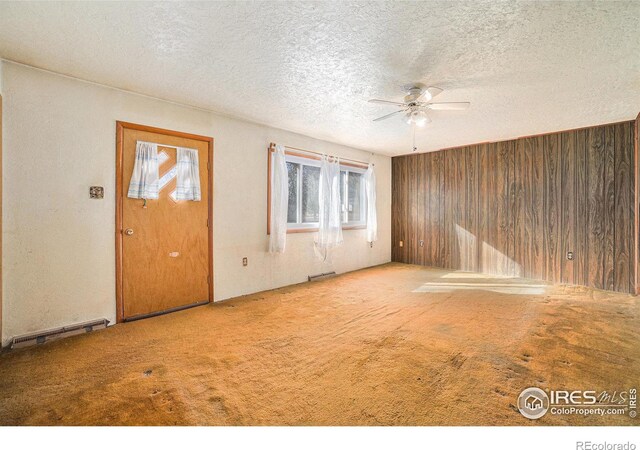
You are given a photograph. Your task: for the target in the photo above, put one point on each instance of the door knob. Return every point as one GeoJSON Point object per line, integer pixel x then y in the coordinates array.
{"type": "Point", "coordinates": [128, 231]}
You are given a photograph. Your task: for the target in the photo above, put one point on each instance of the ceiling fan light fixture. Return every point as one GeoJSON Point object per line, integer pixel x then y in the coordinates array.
{"type": "Point", "coordinates": [418, 118]}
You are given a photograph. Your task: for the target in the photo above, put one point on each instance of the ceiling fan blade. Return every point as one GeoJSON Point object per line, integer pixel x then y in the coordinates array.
{"type": "Point", "coordinates": [449, 106]}
{"type": "Point", "coordinates": [385, 102]}
{"type": "Point", "coordinates": [428, 93]}
{"type": "Point", "coordinates": [388, 115]}
{"type": "Point", "coordinates": [433, 91]}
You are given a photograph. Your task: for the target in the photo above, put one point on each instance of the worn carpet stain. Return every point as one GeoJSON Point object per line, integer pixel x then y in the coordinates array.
{"type": "Point", "coordinates": [391, 345]}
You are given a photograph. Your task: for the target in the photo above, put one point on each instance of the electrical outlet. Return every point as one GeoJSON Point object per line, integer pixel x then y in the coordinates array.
{"type": "Point", "coordinates": [421, 243]}
{"type": "Point", "coordinates": [245, 261]}
{"type": "Point", "coordinates": [371, 244]}
{"type": "Point", "coordinates": [570, 256]}
{"type": "Point", "coordinates": [401, 243]}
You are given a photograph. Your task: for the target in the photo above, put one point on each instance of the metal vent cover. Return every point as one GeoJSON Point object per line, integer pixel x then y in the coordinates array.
{"type": "Point", "coordinates": [322, 276]}
{"type": "Point", "coordinates": [41, 337]}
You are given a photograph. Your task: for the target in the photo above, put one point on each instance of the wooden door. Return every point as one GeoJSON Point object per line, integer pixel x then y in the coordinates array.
{"type": "Point", "coordinates": [164, 245]}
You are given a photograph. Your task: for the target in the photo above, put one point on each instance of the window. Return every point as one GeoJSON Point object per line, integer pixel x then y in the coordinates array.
{"type": "Point", "coordinates": [304, 184]}
{"type": "Point", "coordinates": [353, 203]}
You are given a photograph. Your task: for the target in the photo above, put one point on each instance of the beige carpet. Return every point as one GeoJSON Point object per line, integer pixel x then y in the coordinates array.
{"type": "Point", "coordinates": [390, 345]}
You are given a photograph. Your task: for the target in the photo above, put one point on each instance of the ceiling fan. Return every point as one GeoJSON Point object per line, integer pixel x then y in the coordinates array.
{"type": "Point", "coordinates": [417, 102]}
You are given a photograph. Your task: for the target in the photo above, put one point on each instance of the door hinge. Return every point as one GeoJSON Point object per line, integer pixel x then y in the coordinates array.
{"type": "Point", "coordinates": [208, 279]}
{"type": "Point", "coordinates": [207, 223]}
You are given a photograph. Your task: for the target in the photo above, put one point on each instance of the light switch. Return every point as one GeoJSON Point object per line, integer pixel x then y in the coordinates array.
{"type": "Point", "coordinates": [96, 192]}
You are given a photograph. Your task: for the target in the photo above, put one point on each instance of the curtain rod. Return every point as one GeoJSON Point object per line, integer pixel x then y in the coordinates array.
{"type": "Point", "coordinates": [323, 154]}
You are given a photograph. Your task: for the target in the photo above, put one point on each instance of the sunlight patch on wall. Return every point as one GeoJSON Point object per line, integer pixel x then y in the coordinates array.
{"type": "Point", "coordinates": [490, 261]}
{"type": "Point", "coordinates": [495, 262]}
{"type": "Point", "coordinates": [468, 249]}
{"type": "Point", "coordinates": [471, 275]}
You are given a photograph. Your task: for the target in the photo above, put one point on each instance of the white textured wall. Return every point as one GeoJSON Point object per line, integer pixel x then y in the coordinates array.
{"type": "Point", "coordinates": [59, 257]}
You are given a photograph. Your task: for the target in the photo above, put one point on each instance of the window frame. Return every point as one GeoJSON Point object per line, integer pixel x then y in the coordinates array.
{"type": "Point", "coordinates": [314, 161]}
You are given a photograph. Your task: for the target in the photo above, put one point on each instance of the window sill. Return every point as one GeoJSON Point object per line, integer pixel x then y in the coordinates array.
{"type": "Point", "coordinates": [315, 230]}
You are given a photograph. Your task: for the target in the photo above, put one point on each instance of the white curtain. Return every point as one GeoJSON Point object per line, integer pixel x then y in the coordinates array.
{"type": "Point", "coordinates": [372, 215]}
{"type": "Point", "coordinates": [279, 201]}
{"type": "Point", "coordinates": [144, 179]}
{"type": "Point", "coordinates": [330, 226]}
{"type": "Point", "coordinates": [188, 176]}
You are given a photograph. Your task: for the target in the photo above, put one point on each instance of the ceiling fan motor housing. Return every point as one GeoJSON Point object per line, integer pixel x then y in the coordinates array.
{"type": "Point", "coordinates": [412, 94]}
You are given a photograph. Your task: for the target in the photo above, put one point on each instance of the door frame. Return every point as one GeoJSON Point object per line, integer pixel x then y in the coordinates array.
{"type": "Point", "coordinates": [120, 127]}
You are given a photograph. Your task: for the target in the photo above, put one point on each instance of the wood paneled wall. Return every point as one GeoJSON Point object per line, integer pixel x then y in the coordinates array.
{"type": "Point", "coordinates": [1, 213]}
{"type": "Point", "coordinates": [518, 207]}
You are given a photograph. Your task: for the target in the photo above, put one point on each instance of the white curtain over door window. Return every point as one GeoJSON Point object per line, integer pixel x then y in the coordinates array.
{"type": "Point", "coordinates": [144, 179]}
{"type": "Point", "coordinates": [372, 215]}
{"type": "Point", "coordinates": [188, 175]}
{"type": "Point", "coordinates": [279, 201]}
{"type": "Point", "coordinates": [330, 217]}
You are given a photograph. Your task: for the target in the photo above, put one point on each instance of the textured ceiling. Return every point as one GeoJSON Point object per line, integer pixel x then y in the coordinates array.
{"type": "Point", "coordinates": [526, 67]}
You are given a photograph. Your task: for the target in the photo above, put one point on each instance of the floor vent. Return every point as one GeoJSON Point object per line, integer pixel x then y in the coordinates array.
{"type": "Point", "coordinates": [322, 276]}
{"type": "Point", "coordinates": [49, 335]}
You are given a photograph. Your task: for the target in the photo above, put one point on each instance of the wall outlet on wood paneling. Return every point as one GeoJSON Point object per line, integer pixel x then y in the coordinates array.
{"type": "Point", "coordinates": [570, 256]}
{"type": "Point", "coordinates": [245, 261]}
{"type": "Point", "coordinates": [421, 243]}
{"type": "Point", "coordinates": [401, 244]}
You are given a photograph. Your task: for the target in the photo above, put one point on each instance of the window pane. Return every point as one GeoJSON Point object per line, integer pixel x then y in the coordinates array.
{"type": "Point", "coordinates": [310, 194]}
{"type": "Point", "coordinates": [292, 211]}
{"type": "Point", "coordinates": [355, 206]}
